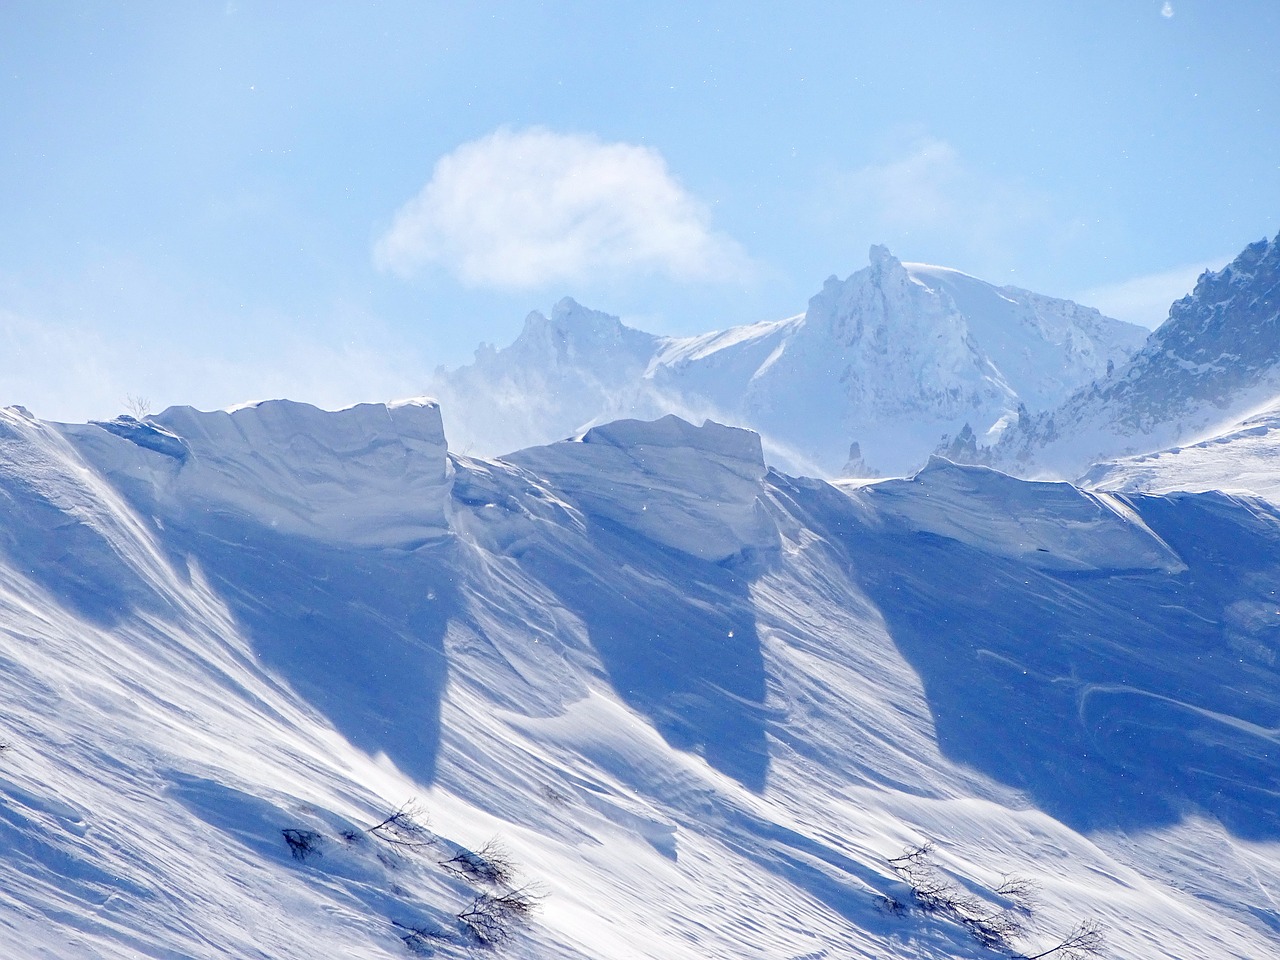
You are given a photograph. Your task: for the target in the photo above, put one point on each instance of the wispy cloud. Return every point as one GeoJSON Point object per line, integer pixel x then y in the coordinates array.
{"type": "Point", "coordinates": [523, 208]}
{"type": "Point", "coordinates": [1167, 10]}
{"type": "Point", "coordinates": [1146, 299]}
{"type": "Point", "coordinates": [926, 196]}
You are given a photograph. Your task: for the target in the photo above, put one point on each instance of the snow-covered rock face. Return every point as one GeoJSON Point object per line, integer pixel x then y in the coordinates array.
{"type": "Point", "coordinates": [696, 489]}
{"type": "Point", "coordinates": [1213, 361]}
{"type": "Point", "coordinates": [372, 474]}
{"type": "Point", "coordinates": [893, 358]}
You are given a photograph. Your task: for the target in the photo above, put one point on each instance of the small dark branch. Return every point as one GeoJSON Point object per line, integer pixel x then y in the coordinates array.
{"type": "Point", "coordinates": [491, 918]}
{"type": "Point", "coordinates": [403, 827]}
{"type": "Point", "coordinates": [890, 905]}
{"type": "Point", "coordinates": [302, 843]}
{"type": "Point", "coordinates": [490, 864]}
{"type": "Point", "coordinates": [421, 940]}
{"type": "Point", "coordinates": [352, 836]}
{"type": "Point", "coordinates": [1086, 940]}
{"type": "Point", "coordinates": [1022, 892]}
{"type": "Point", "coordinates": [918, 854]}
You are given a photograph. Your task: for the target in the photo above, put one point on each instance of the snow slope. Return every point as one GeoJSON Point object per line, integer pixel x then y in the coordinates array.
{"type": "Point", "coordinates": [1244, 458]}
{"type": "Point", "coordinates": [1214, 361]}
{"type": "Point", "coordinates": [894, 358]}
{"type": "Point", "coordinates": [702, 728]}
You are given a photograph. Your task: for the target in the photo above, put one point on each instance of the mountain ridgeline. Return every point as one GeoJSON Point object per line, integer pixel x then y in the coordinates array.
{"type": "Point", "coordinates": [868, 380]}
{"type": "Point", "coordinates": [1212, 363]}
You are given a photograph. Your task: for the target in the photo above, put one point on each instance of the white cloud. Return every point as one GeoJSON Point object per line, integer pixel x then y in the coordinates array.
{"type": "Point", "coordinates": [1145, 300]}
{"type": "Point", "coordinates": [1167, 10]}
{"type": "Point", "coordinates": [520, 209]}
{"type": "Point", "coordinates": [927, 197]}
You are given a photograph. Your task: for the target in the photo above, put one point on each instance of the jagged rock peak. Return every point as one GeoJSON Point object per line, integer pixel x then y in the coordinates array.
{"type": "Point", "coordinates": [879, 256]}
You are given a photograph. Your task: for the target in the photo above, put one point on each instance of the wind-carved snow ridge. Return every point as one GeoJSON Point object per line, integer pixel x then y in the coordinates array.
{"type": "Point", "coordinates": [1050, 526]}
{"type": "Point", "coordinates": [373, 474]}
{"type": "Point", "coordinates": [696, 489]}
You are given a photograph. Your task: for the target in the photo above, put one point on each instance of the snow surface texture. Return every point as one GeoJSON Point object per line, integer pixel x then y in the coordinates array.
{"type": "Point", "coordinates": [894, 359]}
{"type": "Point", "coordinates": [1214, 361]}
{"type": "Point", "coordinates": [1243, 459]}
{"type": "Point", "coordinates": [693, 751]}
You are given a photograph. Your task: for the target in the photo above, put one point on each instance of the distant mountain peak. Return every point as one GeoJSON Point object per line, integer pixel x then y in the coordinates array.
{"type": "Point", "coordinates": [879, 256]}
{"type": "Point", "coordinates": [892, 358]}
{"type": "Point", "coordinates": [1216, 358]}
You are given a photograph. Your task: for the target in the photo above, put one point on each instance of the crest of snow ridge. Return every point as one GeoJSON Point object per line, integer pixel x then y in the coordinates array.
{"type": "Point", "coordinates": [372, 474]}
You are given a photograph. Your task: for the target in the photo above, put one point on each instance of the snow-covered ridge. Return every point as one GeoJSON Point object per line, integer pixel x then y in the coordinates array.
{"type": "Point", "coordinates": [1243, 458]}
{"type": "Point", "coordinates": [696, 489]}
{"type": "Point", "coordinates": [1049, 526]}
{"type": "Point", "coordinates": [702, 729]}
{"type": "Point", "coordinates": [373, 474]}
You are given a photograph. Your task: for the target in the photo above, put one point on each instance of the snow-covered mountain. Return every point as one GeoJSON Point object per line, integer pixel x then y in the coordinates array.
{"type": "Point", "coordinates": [705, 706]}
{"type": "Point", "coordinates": [892, 359]}
{"type": "Point", "coordinates": [1213, 362]}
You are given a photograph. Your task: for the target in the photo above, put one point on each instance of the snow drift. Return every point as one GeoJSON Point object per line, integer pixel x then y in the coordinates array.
{"type": "Point", "coordinates": [701, 729]}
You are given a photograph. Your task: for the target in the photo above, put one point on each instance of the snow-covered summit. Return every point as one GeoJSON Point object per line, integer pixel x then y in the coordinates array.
{"type": "Point", "coordinates": [892, 358]}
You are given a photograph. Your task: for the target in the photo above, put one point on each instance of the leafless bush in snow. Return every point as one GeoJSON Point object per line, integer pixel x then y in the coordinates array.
{"type": "Point", "coordinates": [934, 893]}
{"type": "Point", "coordinates": [491, 918]}
{"type": "Point", "coordinates": [1086, 941]}
{"type": "Point", "coordinates": [302, 843]}
{"type": "Point", "coordinates": [991, 926]}
{"type": "Point", "coordinates": [490, 864]}
{"type": "Point", "coordinates": [403, 827]}
{"type": "Point", "coordinates": [138, 407]}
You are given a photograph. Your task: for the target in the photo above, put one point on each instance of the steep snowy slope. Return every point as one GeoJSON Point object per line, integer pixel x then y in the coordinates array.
{"type": "Point", "coordinates": [1244, 458]}
{"type": "Point", "coordinates": [893, 358]}
{"type": "Point", "coordinates": [1216, 359]}
{"type": "Point", "coordinates": [703, 704]}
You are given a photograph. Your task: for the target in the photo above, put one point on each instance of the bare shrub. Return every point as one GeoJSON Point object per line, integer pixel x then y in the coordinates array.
{"type": "Point", "coordinates": [403, 827]}
{"type": "Point", "coordinates": [421, 940]}
{"type": "Point", "coordinates": [1086, 940]}
{"type": "Point", "coordinates": [992, 926]}
{"type": "Point", "coordinates": [302, 843]}
{"type": "Point", "coordinates": [138, 407]}
{"type": "Point", "coordinates": [934, 893]}
{"type": "Point", "coordinates": [491, 918]}
{"type": "Point", "coordinates": [492, 863]}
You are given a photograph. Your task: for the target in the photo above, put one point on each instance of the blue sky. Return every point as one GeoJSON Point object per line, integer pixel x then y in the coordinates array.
{"type": "Point", "coordinates": [208, 203]}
